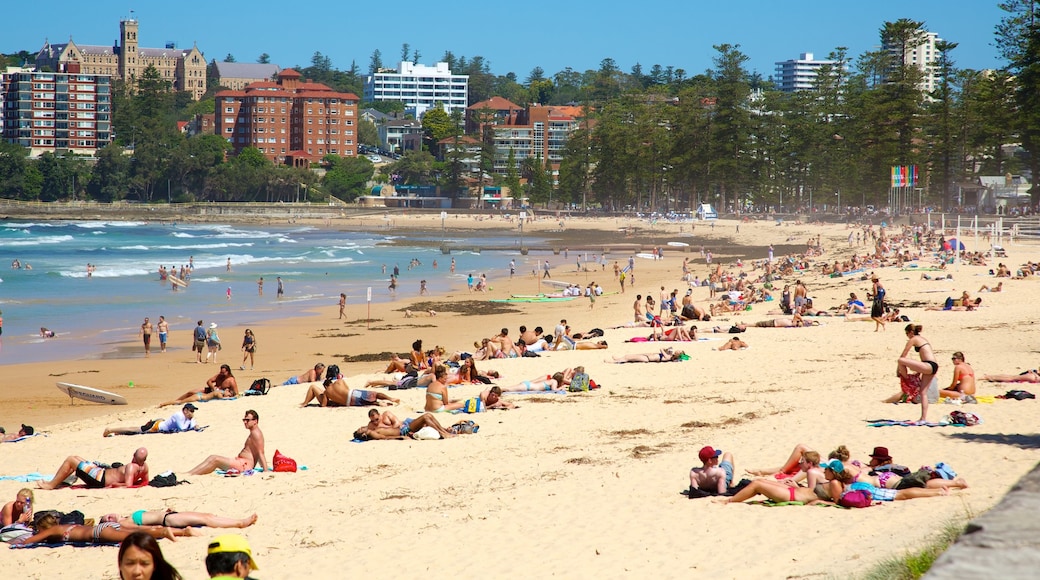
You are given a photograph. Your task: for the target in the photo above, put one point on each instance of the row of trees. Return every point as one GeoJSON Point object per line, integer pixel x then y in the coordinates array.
{"type": "Point", "coordinates": [657, 139]}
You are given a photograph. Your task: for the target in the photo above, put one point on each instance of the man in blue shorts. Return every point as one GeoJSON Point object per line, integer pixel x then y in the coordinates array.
{"type": "Point", "coordinates": [714, 477]}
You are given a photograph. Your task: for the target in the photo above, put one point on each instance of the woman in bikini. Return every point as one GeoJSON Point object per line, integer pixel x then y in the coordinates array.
{"type": "Point", "coordinates": [788, 490]}
{"type": "Point", "coordinates": [49, 531]}
{"type": "Point", "coordinates": [880, 475]}
{"type": "Point", "coordinates": [171, 519]}
{"type": "Point", "coordinates": [248, 349]}
{"type": "Point", "coordinates": [963, 384]}
{"type": "Point", "coordinates": [437, 392]}
{"type": "Point", "coordinates": [926, 367]}
{"type": "Point", "coordinates": [665, 355]}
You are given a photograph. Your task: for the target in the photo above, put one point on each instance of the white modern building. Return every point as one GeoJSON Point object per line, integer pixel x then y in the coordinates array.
{"type": "Point", "coordinates": [419, 87]}
{"type": "Point", "coordinates": [924, 57]}
{"type": "Point", "coordinates": [798, 74]}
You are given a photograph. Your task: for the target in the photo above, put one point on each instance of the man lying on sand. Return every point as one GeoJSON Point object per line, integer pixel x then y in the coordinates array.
{"type": "Point", "coordinates": [406, 429]}
{"type": "Point", "coordinates": [183, 420]}
{"type": "Point", "coordinates": [336, 393]}
{"type": "Point", "coordinates": [97, 477]}
{"type": "Point", "coordinates": [309, 376]}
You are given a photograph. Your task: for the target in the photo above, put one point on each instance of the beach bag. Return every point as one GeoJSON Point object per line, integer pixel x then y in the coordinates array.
{"type": "Point", "coordinates": [259, 387]}
{"type": "Point", "coordinates": [911, 387]}
{"type": "Point", "coordinates": [332, 373]}
{"type": "Point", "coordinates": [426, 433]}
{"type": "Point", "coordinates": [200, 334]}
{"type": "Point", "coordinates": [464, 428]}
{"type": "Point", "coordinates": [580, 382]}
{"type": "Point", "coordinates": [859, 498]}
{"type": "Point", "coordinates": [1019, 395]}
{"type": "Point", "coordinates": [474, 405]}
{"type": "Point", "coordinates": [407, 382]}
{"type": "Point", "coordinates": [168, 479]}
{"type": "Point", "coordinates": [282, 463]}
{"type": "Point", "coordinates": [966, 419]}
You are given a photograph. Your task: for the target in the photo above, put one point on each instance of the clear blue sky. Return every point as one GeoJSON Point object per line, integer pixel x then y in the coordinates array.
{"type": "Point", "coordinates": [515, 36]}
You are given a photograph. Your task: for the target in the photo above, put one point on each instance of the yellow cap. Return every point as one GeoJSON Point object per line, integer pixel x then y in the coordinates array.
{"type": "Point", "coordinates": [232, 543]}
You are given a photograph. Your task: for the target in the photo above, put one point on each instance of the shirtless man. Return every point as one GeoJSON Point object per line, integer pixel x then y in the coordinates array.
{"type": "Point", "coordinates": [733, 344]}
{"type": "Point", "coordinates": [800, 294]}
{"type": "Point", "coordinates": [164, 330]}
{"type": "Point", "coordinates": [505, 344]}
{"type": "Point", "coordinates": [252, 452]}
{"type": "Point", "coordinates": [25, 431]}
{"type": "Point", "coordinates": [311, 376]}
{"type": "Point", "coordinates": [336, 393]}
{"type": "Point", "coordinates": [146, 336]}
{"type": "Point", "coordinates": [713, 477]}
{"type": "Point", "coordinates": [377, 420]}
{"type": "Point", "coordinates": [97, 477]}
{"type": "Point", "coordinates": [795, 321]}
{"type": "Point", "coordinates": [219, 386]}
{"type": "Point", "coordinates": [406, 428]}
{"type": "Point", "coordinates": [637, 308]}
{"type": "Point", "coordinates": [530, 337]}
{"type": "Point", "coordinates": [488, 399]}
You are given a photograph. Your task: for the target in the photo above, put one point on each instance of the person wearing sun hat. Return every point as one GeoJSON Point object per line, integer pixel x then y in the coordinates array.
{"type": "Point", "coordinates": [229, 556]}
{"type": "Point", "coordinates": [713, 477]}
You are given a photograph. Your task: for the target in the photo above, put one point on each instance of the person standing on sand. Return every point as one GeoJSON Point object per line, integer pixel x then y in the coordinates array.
{"type": "Point", "coordinates": [146, 336]}
{"type": "Point", "coordinates": [212, 342]}
{"type": "Point", "coordinates": [199, 341]}
{"type": "Point", "coordinates": [164, 332]}
{"type": "Point", "coordinates": [342, 305]}
{"type": "Point", "coordinates": [545, 269]}
{"type": "Point", "coordinates": [512, 268]}
{"type": "Point", "coordinates": [927, 367]}
{"type": "Point", "coordinates": [281, 287]}
{"type": "Point", "coordinates": [877, 308]}
{"type": "Point", "coordinates": [252, 451]}
{"type": "Point", "coordinates": [248, 349]}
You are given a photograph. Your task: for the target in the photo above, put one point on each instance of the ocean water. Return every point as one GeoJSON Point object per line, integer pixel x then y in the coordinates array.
{"type": "Point", "coordinates": [91, 314]}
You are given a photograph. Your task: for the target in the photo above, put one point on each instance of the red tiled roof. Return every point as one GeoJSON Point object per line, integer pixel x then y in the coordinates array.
{"type": "Point", "coordinates": [496, 103]}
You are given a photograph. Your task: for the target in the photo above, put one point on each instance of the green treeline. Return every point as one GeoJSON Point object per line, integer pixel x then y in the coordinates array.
{"type": "Point", "coordinates": [660, 138]}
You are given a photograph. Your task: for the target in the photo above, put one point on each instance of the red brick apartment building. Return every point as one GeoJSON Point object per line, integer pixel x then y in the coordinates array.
{"type": "Point", "coordinates": [291, 120]}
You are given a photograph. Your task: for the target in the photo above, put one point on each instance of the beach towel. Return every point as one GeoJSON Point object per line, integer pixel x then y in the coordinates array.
{"type": "Point", "coordinates": [27, 478]}
{"type": "Point", "coordinates": [900, 423]}
{"type": "Point", "coordinates": [61, 544]}
{"type": "Point", "coordinates": [23, 438]}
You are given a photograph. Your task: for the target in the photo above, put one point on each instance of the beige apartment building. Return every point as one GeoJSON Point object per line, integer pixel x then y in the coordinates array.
{"type": "Point", "coordinates": [184, 69]}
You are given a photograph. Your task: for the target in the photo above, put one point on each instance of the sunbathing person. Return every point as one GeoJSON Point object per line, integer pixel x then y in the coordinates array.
{"type": "Point", "coordinates": [25, 431]}
{"type": "Point", "coordinates": [999, 287]}
{"type": "Point", "coordinates": [170, 519]}
{"type": "Point", "coordinates": [437, 397]}
{"type": "Point", "coordinates": [336, 393]}
{"type": "Point", "coordinates": [384, 419]}
{"type": "Point", "coordinates": [49, 531]}
{"type": "Point", "coordinates": [1029, 376]}
{"type": "Point", "coordinates": [677, 334]}
{"type": "Point", "coordinates": [665, 355]}
{"type": "Point", "coordinates": [889, 494]}
{"type": "Point", "coordinates": [183, 420]}
{"type": "Point", "coordinates": [733, 344]}
{"type": "Point", "coordinates": [309, 376]}
{"type": "Point", "coordinates": [18, 511]}
{"type": "Point", "coordinates": [963, 383]}
{"type": "Point", "coordinates": [252, 453]}
{"type": "Point", "coordinates": [219, 386]}
{"type": "Point", "coordinates": [713, 477]}
{"type": "Point", "coordinates": [540, 383]}
{"type": "Point", "coordinates": [954, 307]}
{"type": "Point", "coordinates": [786, 490]}
{"type": "Point", "coordinates": [96, 477]}
{"type": "Point", "coordinates": [407, 428]}
{"type": "Point", "coordinates": [884, 473]}
{"type": "Point", "coordinates": [793, 321]}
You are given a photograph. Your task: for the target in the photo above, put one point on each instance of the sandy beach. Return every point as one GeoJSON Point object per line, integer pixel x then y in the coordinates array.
{"type": "Point", "coordinates": [575, 485]}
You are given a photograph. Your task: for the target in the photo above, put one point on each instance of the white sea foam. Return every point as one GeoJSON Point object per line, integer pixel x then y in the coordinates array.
{"type": "Point", "coordinates": [188, 246]}
{"type": "Point", "coordinates": [39, 241]}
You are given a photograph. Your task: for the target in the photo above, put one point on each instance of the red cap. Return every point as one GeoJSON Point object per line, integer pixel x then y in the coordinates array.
{"type": "Point", "coordinates": [708, 452]}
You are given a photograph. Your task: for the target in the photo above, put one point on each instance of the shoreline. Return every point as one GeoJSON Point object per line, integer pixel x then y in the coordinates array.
{"type": "Point", "coordinates": [544, 471]}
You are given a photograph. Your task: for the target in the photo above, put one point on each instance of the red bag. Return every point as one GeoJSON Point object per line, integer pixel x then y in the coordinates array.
{"type": "Point", "coordinates": [283, 463]}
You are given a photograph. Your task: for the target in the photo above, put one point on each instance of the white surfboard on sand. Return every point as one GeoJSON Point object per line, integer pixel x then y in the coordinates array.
{"type": "Point", "coordinates": [557, 283]}
{"type": "Point", "coordinates": [91, 394]}
{"type": "Point", "coordinates": [678, 244]}
{"type": "Point", "coordinates": [646, 256]}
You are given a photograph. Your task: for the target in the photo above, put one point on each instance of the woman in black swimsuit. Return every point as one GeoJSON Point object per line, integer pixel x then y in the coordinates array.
{"type": "Point", "coordinates": [926, 367]}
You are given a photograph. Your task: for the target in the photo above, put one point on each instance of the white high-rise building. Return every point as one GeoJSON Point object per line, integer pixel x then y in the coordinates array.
{"type": "Point", "coordinates": [924, 57]}
{"type": "Point", "coordinates": [798, 74]}
{"type": "Point", "coordinates": [419, 87]}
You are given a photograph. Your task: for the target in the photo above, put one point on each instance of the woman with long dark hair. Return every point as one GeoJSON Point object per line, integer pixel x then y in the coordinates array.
{"type": "Point", "coordinates": [141, 558]}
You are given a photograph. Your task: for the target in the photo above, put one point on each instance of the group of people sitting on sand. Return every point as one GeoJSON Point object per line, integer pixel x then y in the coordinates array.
{"type": "Point", "coordinates": [805, 478]}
